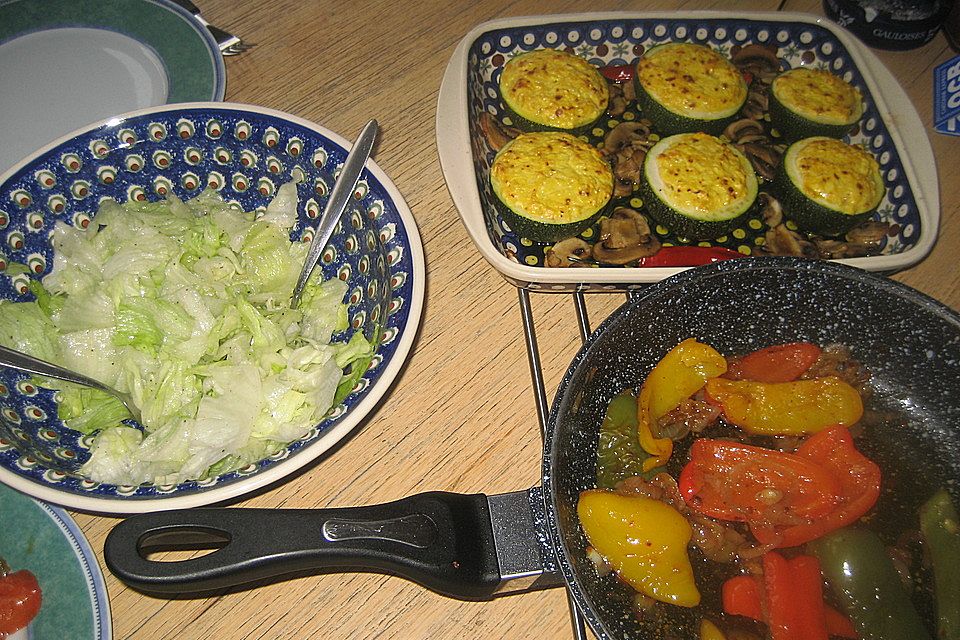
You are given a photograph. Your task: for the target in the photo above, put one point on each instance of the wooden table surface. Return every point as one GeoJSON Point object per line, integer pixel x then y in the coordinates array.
{"type": "Point", "coordinates": [462, 416]}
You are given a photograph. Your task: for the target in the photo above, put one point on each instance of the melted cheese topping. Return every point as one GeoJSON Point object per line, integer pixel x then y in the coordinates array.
{"type": "Point", "coordinates": [842, 177]}
{"type": "Point", "coordinates": [554, 88]}
{"type": "Point", "coordinates": [551, 177]}
{"type": "Point", "coordinates": [698, 174]}
{"type": "Point", "coordinates": [819, 96]}
{"type": "Point", "coordinates": [692, 80]}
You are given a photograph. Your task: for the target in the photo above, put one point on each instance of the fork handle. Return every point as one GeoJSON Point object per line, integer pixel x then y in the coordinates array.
{"type": "Point", "coordinates": [20, 361]}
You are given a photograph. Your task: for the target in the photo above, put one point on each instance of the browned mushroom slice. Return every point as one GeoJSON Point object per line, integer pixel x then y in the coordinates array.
{"type": "Point", "coordinates": [626, 146]}
{"type": "Point", "coordinates": [764, 157]}
{"type": "Point", "coordinates": [618, 101]}
{"type": "Point", "coordinates": [756, 55]}
{"type": "Point", "coordinates": [870, 233]}
{"type": "Point", "coordinates": [572, 252]}
{"type": "Point", "coordinates": [744, 130]}
{"type": "Point", "coordinates": [495, 132]}
{"type": "Point", "coordinates": [781, 241]}
{"type": "Point", "coordinates": [863, 240]}
{"type": "Point", "coordinates": [760, 60]}
{"type": "Point", "coordinates": [624, 237]}
{"type": "Point", "coordinates": [771, 212]}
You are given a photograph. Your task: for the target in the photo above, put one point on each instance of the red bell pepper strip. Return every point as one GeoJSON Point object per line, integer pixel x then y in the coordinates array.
{"type": "Point", "coordinates": [859, 479]}
{"type": "Point", "coordinates": [618, 72]}
{"type": "Point", "coordinates": [684, 256]}
{"type": "Point", "coordinates": [777, 363]}
{"type": "Point", "coordinates": [741, 596]}
{"type": "Point", "coordinates": [740, 482]}
{"type": "Point", "coordinates": [794, 598]}
{"type": "Point", "coordinates": [20, 599]}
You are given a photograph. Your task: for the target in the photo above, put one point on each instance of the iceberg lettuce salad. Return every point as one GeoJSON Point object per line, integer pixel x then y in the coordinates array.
{"type": "Point", "coordinates": [186, 306]}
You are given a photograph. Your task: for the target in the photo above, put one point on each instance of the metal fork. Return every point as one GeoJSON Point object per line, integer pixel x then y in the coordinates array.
{"type": "Point", "coordinates": [229, 44]}
{"type": "Point", "coordinates": [13, 359]}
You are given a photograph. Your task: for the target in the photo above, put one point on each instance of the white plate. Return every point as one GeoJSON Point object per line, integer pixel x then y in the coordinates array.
{"type": "Point", "coordinates": [606, 38]}
{"type": "Point", "coordinates": [67, 63]}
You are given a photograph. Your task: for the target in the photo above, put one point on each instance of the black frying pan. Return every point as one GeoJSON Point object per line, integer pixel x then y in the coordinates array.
{"type": "Point", "coordinates": [478, 546]}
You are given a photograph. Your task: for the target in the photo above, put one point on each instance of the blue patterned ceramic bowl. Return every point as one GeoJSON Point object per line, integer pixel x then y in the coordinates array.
{"type": "Point", "coordinates": [890, 129]}
{"type": "Point", "coordinates": [245, 153]}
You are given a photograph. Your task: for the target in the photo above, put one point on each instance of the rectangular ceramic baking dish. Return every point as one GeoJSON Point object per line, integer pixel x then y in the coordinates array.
{"type": "Point", "coordinates": [890, 128]}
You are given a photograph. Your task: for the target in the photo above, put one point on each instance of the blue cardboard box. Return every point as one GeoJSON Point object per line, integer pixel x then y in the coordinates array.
{"type": "Point", "coordinates": [946, 97]}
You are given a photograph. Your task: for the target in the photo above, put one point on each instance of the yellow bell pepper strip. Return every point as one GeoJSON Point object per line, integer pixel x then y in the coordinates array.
{"type": "Point", "coordinates": [800, 407]}
{"type": "Point", "coordinates": [710, 631]}
{"type": "Point", "coordinates": [678, 375]}
{"type": "Point", "coordinates": [644, 541]}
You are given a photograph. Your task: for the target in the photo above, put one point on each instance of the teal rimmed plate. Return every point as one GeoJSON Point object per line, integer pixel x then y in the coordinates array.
{"type": "Point", "coordinates": [67, 63]}
{"type": "Point", "coordinates": [45, 540]}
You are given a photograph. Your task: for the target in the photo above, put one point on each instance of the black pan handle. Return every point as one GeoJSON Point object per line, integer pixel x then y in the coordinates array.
{"type": "Point", "coordinates": [443, 541]}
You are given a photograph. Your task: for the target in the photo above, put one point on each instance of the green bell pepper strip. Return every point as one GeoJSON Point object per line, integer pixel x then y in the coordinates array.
{"type": "Point", "coordinates": [941, 534]}
{"type": "Point", "coordinates": [619, 454]}
{"type": "Point", "coordinates": [864, 580]}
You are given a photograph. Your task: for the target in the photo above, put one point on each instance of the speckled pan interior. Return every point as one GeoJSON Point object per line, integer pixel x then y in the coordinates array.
{"type": "Point", "coordinates": [909, 342]}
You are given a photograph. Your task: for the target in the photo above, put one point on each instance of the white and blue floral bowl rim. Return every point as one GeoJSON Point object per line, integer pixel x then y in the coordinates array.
{"type": "Point", "coordinates": [245, 152]}
{"type": "Point", "coordinates": [891, 127]}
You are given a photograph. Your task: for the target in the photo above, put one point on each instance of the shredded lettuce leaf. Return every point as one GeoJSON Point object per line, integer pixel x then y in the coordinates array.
{"type": "Point", "coordinates": [185, 305]}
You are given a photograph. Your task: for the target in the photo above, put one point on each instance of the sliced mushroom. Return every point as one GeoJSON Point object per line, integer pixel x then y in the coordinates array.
{"type": "Point", "coordinates": [571, 252]}
{"type": "Point", "coordinates": [624, 237]}
{"type": "Point", "coordinates": [862, 240]}
{"type": "Point", "coordinates": [626, 146]}
{"type": "Point", "coordinates": [756, 55]}
{"type": "Point", "coordinates": [496, 133]}
{"type": "Point", "coordinates": [618, 101]}
{"type": "Point", "coordinates": [764, 157]}
{"type": "Point", "coordinates": [781, 241]}
{"type": "Point", "coordinates": [625, 134]}
{"type": "Point", "coordinates": [770, 209]}
{"type": "Point", "coordinates": [757, 103]}
{"type": "Point", "coordinates": [744, 130]}
{"type": "Point", "coordinates": [870, 233]}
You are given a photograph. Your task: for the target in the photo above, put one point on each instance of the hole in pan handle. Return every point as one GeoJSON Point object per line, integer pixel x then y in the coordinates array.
{"type": "Point", "coordinates": [465, 546]}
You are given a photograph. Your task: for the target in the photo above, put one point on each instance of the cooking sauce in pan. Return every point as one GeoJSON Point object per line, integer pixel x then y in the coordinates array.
{"type": "Point", "coordinates": [913, 455]}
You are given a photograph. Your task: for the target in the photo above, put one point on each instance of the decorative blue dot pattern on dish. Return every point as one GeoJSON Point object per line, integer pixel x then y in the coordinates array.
{"type": "Point", "coordinates": [622, 42]}
{"type": "Point", "coordinates": [246, 156]}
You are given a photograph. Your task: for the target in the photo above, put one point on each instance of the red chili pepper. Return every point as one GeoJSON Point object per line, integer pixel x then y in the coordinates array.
{"type": "Point", "coordinates": [741, 596]}
{"type": "Point", "coordinates": [777, 363]}
{"type": "Point", "coordinates": [859, 479]}
{"type": "Point", "coordinates": [684, 256]}
{"type": "Point", "coordinates": [20, 599]}
{"type": "Point", "coordinates": [618, 73]}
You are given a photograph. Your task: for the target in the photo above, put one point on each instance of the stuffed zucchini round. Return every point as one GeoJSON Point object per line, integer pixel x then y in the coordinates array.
{"type": "Point", "coordinates": [553, 90]}
{"type": "Point", "coordinates": [697, 186]}
{"type": "Point", "coordinates": [813, 102]}
{"type": "Point", "coordinates": [827, 186]}
{"type": "Point", "coordinates": [550, 185]}
{"type": "Point", "coordinates": [683, 87]}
